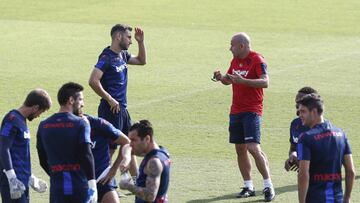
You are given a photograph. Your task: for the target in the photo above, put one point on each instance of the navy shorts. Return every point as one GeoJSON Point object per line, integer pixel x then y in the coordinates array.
{"type": "Point", "coordinates": [244, 128]}
{"type": "Point", "coordinates": [121, 120]}
{"type": "Point", "coordinates": [5, 193]}
{"type": "Point", "coordinates": [81, 197]}
{"type": "Point", "coordinates": [103, 189]}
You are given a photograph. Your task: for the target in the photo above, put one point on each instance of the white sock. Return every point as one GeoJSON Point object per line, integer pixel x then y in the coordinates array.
{"type": "Point", "coordinates": [268, 183]}
{"type": "Point", "coordinates": [249, 184]}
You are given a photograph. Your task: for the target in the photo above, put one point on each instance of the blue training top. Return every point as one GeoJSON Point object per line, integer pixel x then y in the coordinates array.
{"type": "Point", "coordinates": [15, 130]}
{"type": "Point", "coordinates": [324, 146]}
{"type": "Point", "coordinates": [164, 157]}
{"type": "Point", "coordinates": [59, 136]}
{"type": "Point", "coordinates": [102, 132]}
{"type": "Point", "coordinates": [296, 128]}
{"type": "Point", "coordinates": [115, 77]}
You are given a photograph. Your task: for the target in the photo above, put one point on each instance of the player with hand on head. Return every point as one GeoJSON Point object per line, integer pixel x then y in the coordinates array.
{"type": "Point", "coordinates": [296, 128]}
{"type": "Point", "coordinates": [64, 149]}
{"type": "Point", "coordinates": [109, 79]}
{"type": "Point", "coordinates": [15, 163]}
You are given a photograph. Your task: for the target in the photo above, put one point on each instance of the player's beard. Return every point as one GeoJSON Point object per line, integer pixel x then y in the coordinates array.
{"type": "Point", "coordinates": [77, 112]}
{"type": "Point", "coordinates": [123, 46]}
{"type": "Point", "coordinates": [31, 117]}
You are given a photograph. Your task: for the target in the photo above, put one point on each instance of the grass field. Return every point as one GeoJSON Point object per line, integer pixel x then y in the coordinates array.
{"type": "Point", "coordinates": [47, 43]}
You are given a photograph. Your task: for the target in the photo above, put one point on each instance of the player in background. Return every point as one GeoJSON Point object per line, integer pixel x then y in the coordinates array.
{"type": "Point", "coordinates": [154, 172]}
{"type": "Point", "coordinates": [64, 150]}
{"type": "Point", "coordinates": [296, 128]}
{"type": "Point", "coordinates": [15, 163]}
{"type": "Point", "coordinates": [248, 76]}
{"type": "Point", "coordinates": [322, 151]}
{"type": "Point", "coordinates": [102, 132]}
{"type": "Point", "coordinates": [109, 79]}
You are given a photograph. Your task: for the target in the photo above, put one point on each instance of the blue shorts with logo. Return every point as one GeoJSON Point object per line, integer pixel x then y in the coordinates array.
{"type": "Point", "coordinates": [120, 120]}
{"type": "Point", "coordinates": [244, 128]}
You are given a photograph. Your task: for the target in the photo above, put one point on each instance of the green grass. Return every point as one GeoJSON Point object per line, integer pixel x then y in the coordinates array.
{"type": "Point", "coordinates": [47, 43]}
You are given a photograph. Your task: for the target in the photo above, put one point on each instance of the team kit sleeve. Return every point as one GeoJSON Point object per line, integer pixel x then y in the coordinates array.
{"type": "Point", "coordinates": [41, 151]}
{"type": "Point", "coordinates": [347, 146]}
{"type": "Point", "coordinates": [102, 63]}
{"type": "Point", "coordinates": [7, 135]}
{"type": "Point", "coordinates": [84, 135]}
{"type": "Point", "coordinates": [261, 68]}
{"type": "Point", "coordinates": [109, 130]}
{"type": "Point", "coordinates": [303, 148]}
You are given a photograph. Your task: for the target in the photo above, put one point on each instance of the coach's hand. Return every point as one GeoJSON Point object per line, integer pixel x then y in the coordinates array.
{"type": "Point", "coordinates": [17, 188]}
{"type": "Point", "coordinates": [92, 192]}
{"type": "Point", "coordinates": [114, 105]}
{"type": "Point", "coordinates": [37, 184]}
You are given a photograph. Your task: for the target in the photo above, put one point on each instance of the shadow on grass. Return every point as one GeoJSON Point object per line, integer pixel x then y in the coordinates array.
{"type": "Point", "coordinates": [224, 197]}
{"type": "Point", "coordinates": [357, 177]}
{"type": "Point", "coordinates": [259, 196]}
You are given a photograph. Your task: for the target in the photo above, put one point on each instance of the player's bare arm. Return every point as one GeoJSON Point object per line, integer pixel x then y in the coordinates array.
{"type": "Point", "coordinates": [303, 180]}
{"type": "Point", "coordinates": [349, 176]}
{"type": "Point", "coordinates": [140, 59]}
{"type": "Point", "coordinates": [123, 158]}
{"type": "Point", "coordinates": [95, 84]}
{"type": "Point", "coordinates": [262, 82]}
{"type": "Point", "coordinates": [153, 171]}
{"type": "Point", "coordinates": [224, 79]}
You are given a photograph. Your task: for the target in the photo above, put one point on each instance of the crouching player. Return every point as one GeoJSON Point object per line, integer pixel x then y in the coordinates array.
{"type": "Point", "coordinates": [296, 128]}
{"type": "Point", "coordinates": [154, 172]}
{"type": "Point", "coordinates": [15, 149]}
{"type": "Point", "coordinates": [101, 133]}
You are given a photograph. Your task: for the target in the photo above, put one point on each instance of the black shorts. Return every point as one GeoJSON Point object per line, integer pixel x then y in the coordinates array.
{"type": "Point", "coordinates": [103, 189]}
{"type": "Point", "coordinates": [120, 120]}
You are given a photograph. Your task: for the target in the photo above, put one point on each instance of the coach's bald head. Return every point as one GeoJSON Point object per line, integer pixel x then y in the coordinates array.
{"type": "Point", "coordinates": [240, 45]}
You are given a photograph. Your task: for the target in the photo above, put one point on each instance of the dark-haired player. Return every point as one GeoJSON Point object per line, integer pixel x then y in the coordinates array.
{"type": "Point", "coordinates": [322, 151]}
{"type": "Point", "coordinates": [296, 128]}
{"type": "Point", "coordinates": [109, 79]}
{"type": "Point", "coordinates": [64, 150]}
{"type": "Point", "coordinates": [154, 172]}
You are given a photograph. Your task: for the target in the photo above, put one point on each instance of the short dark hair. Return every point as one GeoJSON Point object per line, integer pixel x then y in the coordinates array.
{"type": "Point", "coordinates": [70, 89]}
{"type": "Point", "coordinates": [307, 90]}
{"type": "Point", "coordinates": [38, 97]}
{"type": "Point", "coordinates": [312, 101]}
{"type": "Point", "coordinates": [143, 128]}
{"type": "Point", "coordinates": [119, 28]}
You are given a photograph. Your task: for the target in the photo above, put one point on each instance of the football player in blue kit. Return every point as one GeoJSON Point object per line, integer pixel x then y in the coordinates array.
{"type": "Point", "coordinates": [109, 79]}
{"type": "Point", "coordinates": [15, 149]}
{"type": "Point", "coordinates": [64, 150]}
{"type": "Point", "coordinates": [154, 172]}
{"type": "Point", "coordinates": [102, 132]}
{"type": "Point", "coordinates": [322, 151]}
{"type": "Point", "coordinates": [296, 128]}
